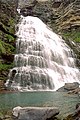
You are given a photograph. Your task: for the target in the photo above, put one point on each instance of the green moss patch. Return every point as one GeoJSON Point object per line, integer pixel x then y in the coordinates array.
{"type": "Point", "coordinates": [2, 47]}
{"type": "Point", "coordinates": [73, 35]}
{"type": "Point", "coordinates": [6, 48]}
{"type": "Point", "coordinates": [6, 66]}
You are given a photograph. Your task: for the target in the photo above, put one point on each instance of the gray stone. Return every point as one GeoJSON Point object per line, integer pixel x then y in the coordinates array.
{"type": "Point", "coordinates": [69, 87]}
{"type": "Point", "coordinates": [26, 3]}
{"type": "Point", "coordinates": [35, 113]}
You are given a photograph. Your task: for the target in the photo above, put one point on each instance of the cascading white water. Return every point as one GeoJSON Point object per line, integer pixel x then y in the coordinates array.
{"type": "Point", "coordinates": [43, 60]}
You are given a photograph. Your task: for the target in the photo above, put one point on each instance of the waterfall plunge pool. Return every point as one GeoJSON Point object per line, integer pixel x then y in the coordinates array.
{"type": "Point", "coordinates": [65, 102]}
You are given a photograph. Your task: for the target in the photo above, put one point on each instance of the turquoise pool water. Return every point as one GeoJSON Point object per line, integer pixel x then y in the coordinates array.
{"type": "Point", "coordinates": [65, 102]}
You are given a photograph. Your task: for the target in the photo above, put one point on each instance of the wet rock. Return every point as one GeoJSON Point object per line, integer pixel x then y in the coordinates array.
{"type": "Point", "coordinates": [69, 87]}
{"type": "Point", "coordinates": [26, 3]}
{"type": "Point", "coordinates": [7, 117]}
{"type": "Point", "coordinates": [76, 91]}
{"type": "Point", "coordinates": [41, 9]}
{"type": "Point", "coordinates": [75, 115]}
{"type": "Point", "coordinates": [26, 7]}
{"type": "Point", "coordinates": [1, 85]}
{"type": "Point", "coordinates": [35, 113]}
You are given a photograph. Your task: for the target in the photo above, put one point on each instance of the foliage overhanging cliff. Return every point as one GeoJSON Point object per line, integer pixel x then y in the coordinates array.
{"type": "Point", "coordinates": [61, 15]}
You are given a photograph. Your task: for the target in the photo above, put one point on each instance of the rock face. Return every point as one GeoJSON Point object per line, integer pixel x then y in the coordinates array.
{"type": "Point", "coordinates": [42, 9]}
{"type": "Point", "coordinates": [64, 13]}
{"type": "Point", "coordinates": [68, 24]}
{"type": "Point", "coordinates": [35, 113]}
{"type": "Point", "coordinates": [69, 17]}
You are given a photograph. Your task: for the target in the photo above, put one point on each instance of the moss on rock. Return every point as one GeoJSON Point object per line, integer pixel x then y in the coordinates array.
{"type": "Point", "coordinates": [8, 16]}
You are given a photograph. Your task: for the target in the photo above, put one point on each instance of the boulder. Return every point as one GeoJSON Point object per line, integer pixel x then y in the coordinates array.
{"type": "Point", "coordinates": [34, 113]}
{"type": "Point", "coordinates": [69, 87]}
{"type": "Point", "coordinates": [16, 111]}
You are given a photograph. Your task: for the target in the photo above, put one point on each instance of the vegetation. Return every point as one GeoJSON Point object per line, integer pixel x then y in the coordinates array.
{"type": "Point", "coordinates": [7, 36]}
{"type": "Point", "coordinates": [2, 48]}
{"type": "Point", "coordinates": [5, 66]}
{"type": "Point", "coordinates": [73, 35]}
{"type": "Point", "coordinates": [6, 47]}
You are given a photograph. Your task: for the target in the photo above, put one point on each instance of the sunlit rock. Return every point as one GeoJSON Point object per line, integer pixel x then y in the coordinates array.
{"type": "Point", "coordinates": [35, 113]}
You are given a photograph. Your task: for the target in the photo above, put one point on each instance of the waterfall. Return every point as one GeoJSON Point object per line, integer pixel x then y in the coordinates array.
{"type": "Point", "coordinates": [43, 61]}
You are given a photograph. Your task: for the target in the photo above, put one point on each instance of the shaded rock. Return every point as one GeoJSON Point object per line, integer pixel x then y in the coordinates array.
{"type": "Point", "coordinates": [1, 116]}
{"type": "Point", "coordinates": [27, 8]}
{"type": "Point", "coordinates": [35, 113]}
{"type": "Point", "coordinates": [69, 87]}
{"type": "Point", "coordinates": [62, 89]}
{"type": "Point", "coordinates": [42, 9]}
{"type": "Point", "coordinates": [74, 45]}
{"type": "Point", "coordinates": [26, 3]}
{"type": "Point", "coordinates": [69, 12]}
{"type": "Point", "coordinates": [75, 115]}
{"type": "Point", "coordinates": [8, 57]}
{"type": "Point", "coordinates": [76, 91]}
{"type": "Point", "coordinates": [1, 85]}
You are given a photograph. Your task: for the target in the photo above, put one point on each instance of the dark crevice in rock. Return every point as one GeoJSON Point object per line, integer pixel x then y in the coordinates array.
{"type": "Point", "coordinates": [8, 58]}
